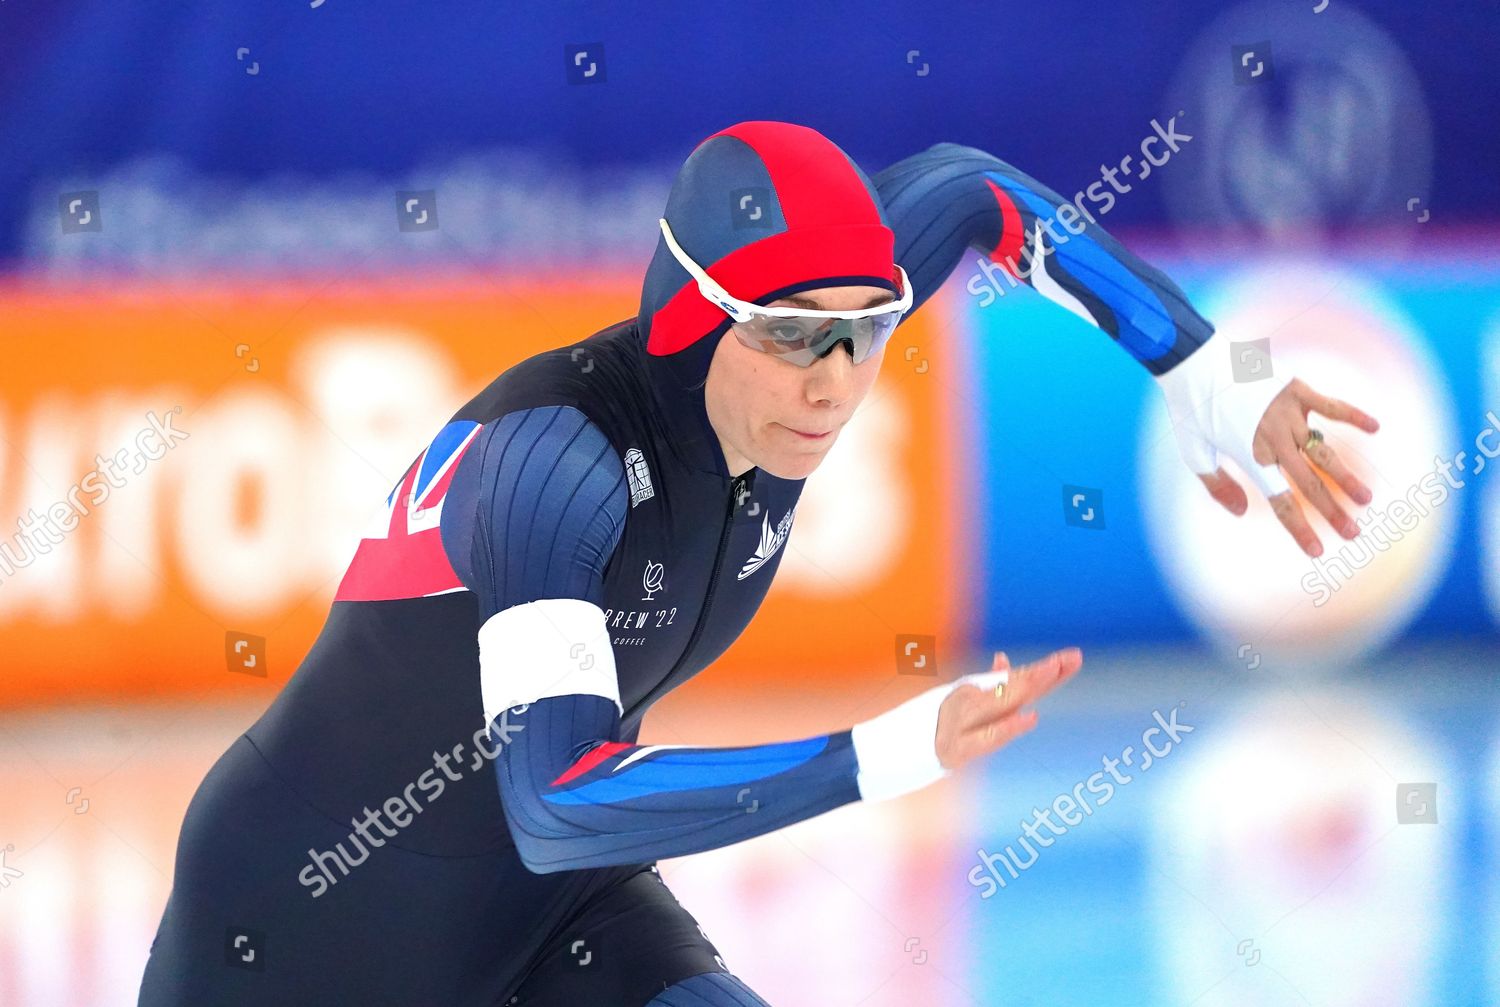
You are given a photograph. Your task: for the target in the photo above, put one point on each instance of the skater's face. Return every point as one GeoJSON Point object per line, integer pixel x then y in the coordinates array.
{"type": "Point", "coordinates": [774, 415]}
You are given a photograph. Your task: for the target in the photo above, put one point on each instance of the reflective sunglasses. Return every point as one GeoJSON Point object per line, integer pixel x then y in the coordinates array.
{"type": "Point", "coordinates": [799, 335]}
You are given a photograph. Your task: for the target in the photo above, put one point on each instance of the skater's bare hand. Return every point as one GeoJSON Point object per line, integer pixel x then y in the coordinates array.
{"type": "Point", "coordinates": [974, 722]}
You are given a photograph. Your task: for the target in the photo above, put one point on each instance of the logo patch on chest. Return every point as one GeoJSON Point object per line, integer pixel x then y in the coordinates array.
{"type": "Point", "coordinates": [651, 580]}
{"type": "Point", "coordinates": [770, 542]}
{"type": "Point", "coordinates": [639, 476]}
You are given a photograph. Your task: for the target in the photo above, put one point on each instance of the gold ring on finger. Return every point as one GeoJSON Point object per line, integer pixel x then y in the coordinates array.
{"type": "Point", "coordinates": [1314, 438]}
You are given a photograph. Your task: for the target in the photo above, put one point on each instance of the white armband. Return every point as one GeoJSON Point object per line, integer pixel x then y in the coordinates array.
{"type": "Point", "coordinates": [553, 647]}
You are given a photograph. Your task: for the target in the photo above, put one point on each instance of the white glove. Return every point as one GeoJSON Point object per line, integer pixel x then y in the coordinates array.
{"type": "Point", "coordinates": [1213, 413]}
{"type": "Point", "coordinates": [897, 751]}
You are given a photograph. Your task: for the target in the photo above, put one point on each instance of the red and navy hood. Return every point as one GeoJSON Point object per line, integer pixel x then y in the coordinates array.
{"type": "Point", "coordinates": [768, 209]}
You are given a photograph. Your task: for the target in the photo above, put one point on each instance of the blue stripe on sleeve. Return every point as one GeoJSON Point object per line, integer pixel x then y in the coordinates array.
{"type": "Point", "coordinates": [940, 205]}
{"type": "Point", "coordinates": [672, 772]}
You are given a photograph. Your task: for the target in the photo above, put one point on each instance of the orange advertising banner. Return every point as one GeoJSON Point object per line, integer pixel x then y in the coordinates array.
{"type": "Point", "coordinates": [185, 474]}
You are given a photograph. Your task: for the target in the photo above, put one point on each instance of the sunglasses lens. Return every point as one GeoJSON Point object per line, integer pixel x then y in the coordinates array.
{"type": "Point", "coordinates": [802, 341]}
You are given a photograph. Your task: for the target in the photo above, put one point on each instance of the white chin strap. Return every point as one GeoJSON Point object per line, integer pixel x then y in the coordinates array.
{"type": "Point", "coordinates": [1211, 412]}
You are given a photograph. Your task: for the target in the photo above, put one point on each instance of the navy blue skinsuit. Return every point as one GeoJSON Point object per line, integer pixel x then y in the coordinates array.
{"type": "Point", "coordinates": [377, 838]}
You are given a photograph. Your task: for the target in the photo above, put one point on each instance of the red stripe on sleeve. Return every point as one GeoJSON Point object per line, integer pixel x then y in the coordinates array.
{"type": "Point", "coordinates": [590, 760]}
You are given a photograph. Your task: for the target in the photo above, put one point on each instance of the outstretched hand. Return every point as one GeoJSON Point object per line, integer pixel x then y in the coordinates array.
{"type": "Point", "coordinates": [1281, 439]}
{"type": "Point", "coordinates": [974, 722]}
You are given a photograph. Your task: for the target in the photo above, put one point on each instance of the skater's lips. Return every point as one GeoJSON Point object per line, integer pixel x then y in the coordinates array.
{"type": "Point", "coordinates": [811, 435]}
